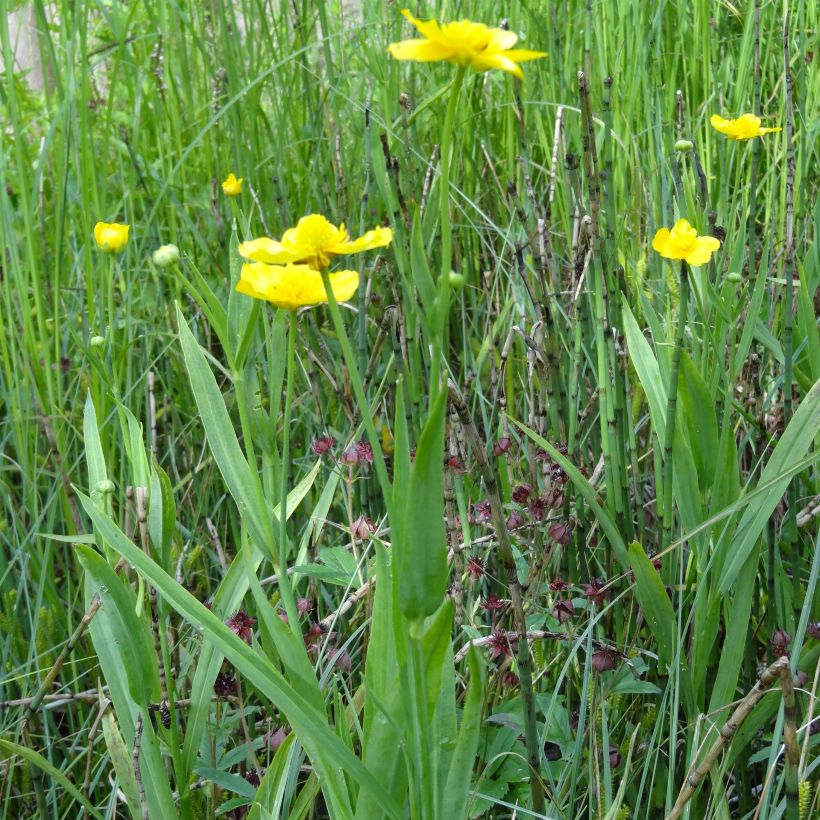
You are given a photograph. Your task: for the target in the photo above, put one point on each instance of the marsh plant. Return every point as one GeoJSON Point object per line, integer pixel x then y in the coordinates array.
{"type": "Point", "coordinates": [410, 413]}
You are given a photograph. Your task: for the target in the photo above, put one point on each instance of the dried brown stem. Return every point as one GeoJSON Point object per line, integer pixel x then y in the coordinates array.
{"type": "Point", "coordinates": [727, 731]}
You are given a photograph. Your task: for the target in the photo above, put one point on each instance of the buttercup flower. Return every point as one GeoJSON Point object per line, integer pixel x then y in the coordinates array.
{"type": "Point", "coordinates": [294, 286]}
{"type": "Point", "coordinates": [683, 242]}
{"type": "Point", "coordinates": [464, 43]}
{"type": "Point", "coordinates": [232, 186]}
{"type": "Point", "coordinates": [314, 242]}
{"type": "Point", "coordinates": [111, 237]}
{"type": "Point", "coordinates": [743, 128]}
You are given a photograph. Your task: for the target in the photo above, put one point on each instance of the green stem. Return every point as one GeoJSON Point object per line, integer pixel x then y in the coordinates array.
{"type": "Point", "coordinates": [444, 191]}
{"type": "Point", "coordinates": [439, 343]}
{"type": "Point", "coordinates": [671, 407]}
{"type": "Point", "coordinates": [285, 587]}
{"type": "Point", "coordinates": [358, 391]}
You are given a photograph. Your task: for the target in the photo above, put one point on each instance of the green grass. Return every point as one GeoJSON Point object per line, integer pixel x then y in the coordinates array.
{"type": "Point", "coordinates": [560, 344]}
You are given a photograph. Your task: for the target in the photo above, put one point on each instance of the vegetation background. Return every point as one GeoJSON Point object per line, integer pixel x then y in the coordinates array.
{"type": "Point", "coordinates": [163, 440]}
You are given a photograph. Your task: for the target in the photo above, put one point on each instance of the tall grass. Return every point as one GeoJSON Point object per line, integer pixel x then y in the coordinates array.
{"type": "Point", "coordinates": [544, 365]}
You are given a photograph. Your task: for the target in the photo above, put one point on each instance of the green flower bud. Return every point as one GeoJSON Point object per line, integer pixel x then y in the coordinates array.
{"type": "Point", "coordinates": [166, 255]}
{"type": "Point", "coordinates": [734, 277]}
{"type": "Point", "coordinates": [105, 487]}
{"type": "Point", "coordinates": [456, 280]}
{"type": "Point", "coordinates": [97, 341]}
{"type": "Point", "coordinates": [684, 145]}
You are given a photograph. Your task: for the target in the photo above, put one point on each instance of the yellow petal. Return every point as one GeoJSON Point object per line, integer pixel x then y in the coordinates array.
{"type": "Point", "coordinates": [682, 228]}
{"type": "Point", "coordinates": [422, 51]}
{"type": "Point", "coordinates": [429, 29]}
{"type": "Point", "coordinates": [702, 252]}
{"type": "Point", "coordinates": [266, 250]}
{"type": "Point", "coordinates": [485, 61]}
{"type": "Point", "coordinates": [770, 130]}
{"type": "Point", "coordinates": [522, 55]}
{"type": "Point", "coordinates": [377, 238]}
{"type": "Point", "coordinates": [502, 40]}
{"type": "Point", "coordinates": [661, 241]}
{"type": "Point", "coordinates": [293, 286]}
{"type": "Point", "coordinates": [720, 124]}
{"type": "Point", "coordinates": [344, 284]}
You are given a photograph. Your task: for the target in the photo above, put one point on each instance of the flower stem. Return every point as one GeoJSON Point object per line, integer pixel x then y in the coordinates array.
{"type": "Point", "coordinates": [440, 341]}
{"type": "Point", "coordinates": [358, 391]}
{"type": "Point", "coordinates": [285, 588]}
{"type": "Point", "coordinates": [444, 192]}
{"type": "Point", "coordinates": [671, 407]}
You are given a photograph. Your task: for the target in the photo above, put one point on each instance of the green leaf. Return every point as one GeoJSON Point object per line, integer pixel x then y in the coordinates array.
{"type": "Point", "coordinates": [271, 792]}
{"type": "Point", "coordinates": [94, 458]}
{"type": "Point", "coordinates": [425, 284]}
{"type": "Point", "coordinates": [383, 715]}
{"type": "Point", "coordinates": [654, 601]}
{"type": "Point", "coordinates": [793, 444]}
{"type": "Point", "coordinates": [698, 421]}
{"type": "Point", "coordinates": [162, 514]}
{"type": "Point", "coordinates": [736, 624]}
{"type": "Point", "coordinates": [227, 781]}
{"type": "Point", "coordinates": [227, 599]}
{"type": "Point", "coordinates": [326, 751]}
{"type": "Point", "coordinates": [457, 789]}
{"type": "Point", "coordinates": [242, 482]}
{"type": "Point", "coordinates": [122, 761]}
{"type": "Point", "coordinates": [35, 759]}
{"type": "Point", "coordinates": [421, 552]}
{"type": "Point", "coordinates": [132, 636]}
{"type": "Point", "coordinates": [685, 475]}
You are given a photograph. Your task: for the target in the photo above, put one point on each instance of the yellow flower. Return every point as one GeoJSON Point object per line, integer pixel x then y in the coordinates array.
{"type": "Point", "coordinates": [294, 286]}
{"type": "Point", "coordinates": [464, 43]}
{"type": "Point", "coordinates": [743, 128]}
{"type": "Point", "coordinates": [232, 186]}
{"type": "Point", "coordinates": [314, 241]}
{"type": "Point", "coordinates": [111, 237]}
{"type": "Point", "coordinates": [683, 242]}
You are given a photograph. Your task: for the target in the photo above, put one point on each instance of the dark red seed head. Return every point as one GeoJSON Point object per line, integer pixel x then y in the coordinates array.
{"type": "Point", "coordinates": [603, 659]}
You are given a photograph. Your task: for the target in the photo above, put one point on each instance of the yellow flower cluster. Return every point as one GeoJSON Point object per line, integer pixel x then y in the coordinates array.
{"type": "Point", "coordinates": [288, 272]}
{"type": "Point", "coordinates": [464, 43]}
{"type": "Point", "coordinates": [683, 242]}
{"type": "Point", "coordinates": [743, 128]}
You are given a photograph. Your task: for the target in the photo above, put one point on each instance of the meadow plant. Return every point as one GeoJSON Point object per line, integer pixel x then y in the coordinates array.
{"type": "Point", "coordinates": [403, 476]}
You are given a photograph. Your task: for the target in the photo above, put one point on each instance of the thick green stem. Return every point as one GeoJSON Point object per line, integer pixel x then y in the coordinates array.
{"type": "Point", "coordinates": [671, 407]}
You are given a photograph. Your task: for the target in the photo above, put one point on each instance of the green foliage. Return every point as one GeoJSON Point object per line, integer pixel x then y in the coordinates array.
{"type": "Point", "coordinates": [143, 414]}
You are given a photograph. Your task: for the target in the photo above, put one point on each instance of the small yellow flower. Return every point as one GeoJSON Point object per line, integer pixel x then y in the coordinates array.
{"type": "Point", "coordinates": [683, 242]}
{"type": "Point", "coordinates": [314, 241]}
{"type": "Point", "coordinates": [743, 128]}
{"type": "Point", "coordinates": [294, 286]}
{"type": "Point", "coordinates": [111, 237]}
{"type": "Point", "coordinates": [464, 43]}
{"type": "Point", "coordinates": [232, 186]}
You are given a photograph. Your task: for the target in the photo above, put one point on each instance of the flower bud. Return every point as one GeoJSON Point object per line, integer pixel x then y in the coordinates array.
{"type": "Point", "coordinates": [684, 145]}
{"type": "Point", "coordinates": [105, 487]}
{"type": "Point", "coordinates": [734, 277]}
{"type": "Point", "coordinates": [456, 280]}
{"type": "Point", "coordinates": [97, 341]}
{"type": "Point", "coordinates": [166, 255]}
